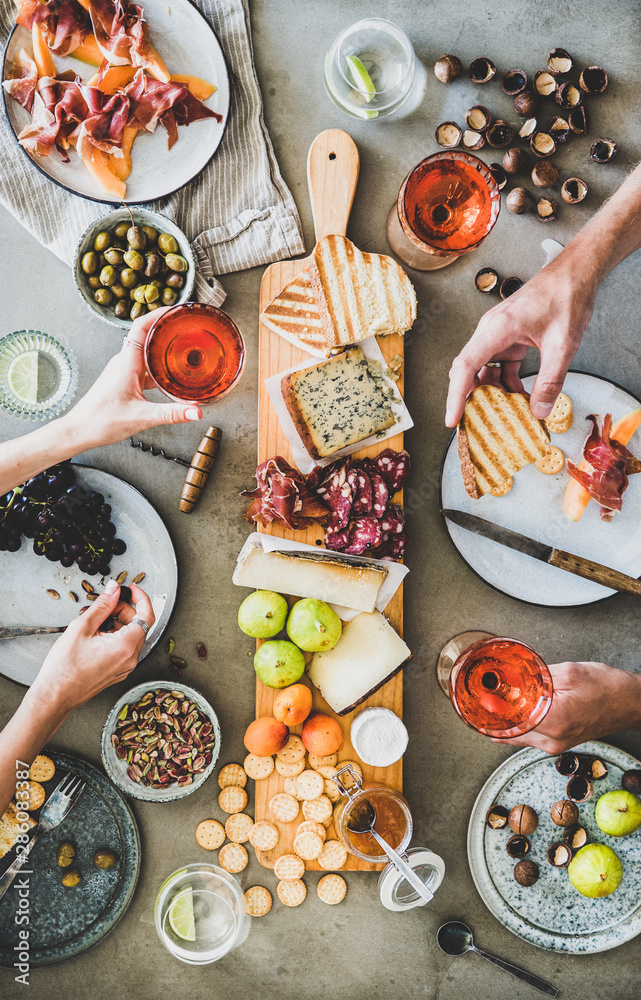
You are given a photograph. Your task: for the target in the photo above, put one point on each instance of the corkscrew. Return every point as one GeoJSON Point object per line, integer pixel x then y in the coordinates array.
{"type": "Point", "coordinates": [199, 468]}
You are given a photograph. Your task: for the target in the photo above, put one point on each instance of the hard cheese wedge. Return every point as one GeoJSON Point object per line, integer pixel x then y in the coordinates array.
{"type": "Point", "coordinates": [327, 578]}
{"type": "Point", "coordinates": [367, 654]}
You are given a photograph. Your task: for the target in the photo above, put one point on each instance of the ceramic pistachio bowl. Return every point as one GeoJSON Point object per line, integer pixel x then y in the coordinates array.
{"type": "Point", "coordinates": [124, 268]}
{"type": "Point", "coordinates": [160, 742]}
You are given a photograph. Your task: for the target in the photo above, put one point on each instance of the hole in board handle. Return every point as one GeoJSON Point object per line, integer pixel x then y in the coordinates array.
{"type": "Point", "coordinates": [332, 156]}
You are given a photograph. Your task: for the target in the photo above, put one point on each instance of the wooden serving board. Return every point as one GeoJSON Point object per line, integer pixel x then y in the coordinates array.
{"type": "Point", "coordinates": [332, 171]}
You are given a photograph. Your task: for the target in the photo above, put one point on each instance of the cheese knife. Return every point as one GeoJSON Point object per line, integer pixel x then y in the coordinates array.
{"type": "Point", "coordinates": [578, 565]}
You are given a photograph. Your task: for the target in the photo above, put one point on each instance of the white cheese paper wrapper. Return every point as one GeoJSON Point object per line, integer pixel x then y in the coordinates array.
{"type": "Point", "coordinates": [396, 572]}
{"type": "Point", "coordinates": [302, 458]}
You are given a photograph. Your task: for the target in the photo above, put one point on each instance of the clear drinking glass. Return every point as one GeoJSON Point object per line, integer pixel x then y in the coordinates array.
{"type": "Point", "coordinates": [369, 69]}
{"type": "Point", "coordinates": [38, 376]}
{"type": "Point", "coordinates": [200, 914]}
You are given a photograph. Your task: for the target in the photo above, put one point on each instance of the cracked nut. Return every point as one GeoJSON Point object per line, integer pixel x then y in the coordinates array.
{"type": "Point", "coordinates": [496, 817]}
{"type": "Point", "coordinates": [542, 144]}
{"type": "Point", "coordinates": [482, 70]}
{"type": "Point", "coordinates": [448, 68]}
{"type": "Point", "coordinates": [509, 286]}
{"type": "Point", "coordinates": [603, 150]}
{"type": "Point", "coordinates": [499, 134]}
{"type": "Point", "coordinates": [544, 174]}
{"type": "Point", "coordinates": [523, 819]}
{"type": "Point", "coordinates": [514, 82]}
{"type": "Point", "coordinates": [518, 846]}
{"type": "Point", "coordinates": [519, 201]}
{"type": "Point", "coordinates": [559, 62]}
{"type": "Point", "coordinates": [544, 83]}
{"type": "Point", "coordinates": [593, 767]}
{"type": "Point", "coordinates": [593, 80]}
{"type": "Point", "coordinates": [567, 763]}
{"type": "Point", "coordinates": [515, 161]}
{"type": "Point", "coordinates": [578, 120]}
{"type": "Point", "coordinates": [526, 103]}
{"type": "Point", "coordinates": [559, 854]}
{"type": "Point", "coordinates": [575, 836]}
{"type": "Point", "coordinates": [528, 128]}
{"type": "Point", "coordinates": [499, 175]}
{"type": "Point", "coordinates": [526, 872]}
{"type": "Point", "coordinates": [579, 788]}
{"type": "Point", "coordinates": [486, 280]}
{"type": "Point", "coordinates": [564, 813]}
{"type": "Point", "coordinates": [568, 95]}
{"type": "Point", "coordinates": [574, 190]}
{"type": "Point", "coordinates": [472, 139]}
{"type": "Point", "coordinates": [631, 781]}
{"type": "Point", "coordinates": [559, 128]}
{"type": "Point", "coordinates": [448, 134]}
{"type": "Point", "coordinates": [478, 118]}
{"type": "Point", "coordinates": [546, 209]}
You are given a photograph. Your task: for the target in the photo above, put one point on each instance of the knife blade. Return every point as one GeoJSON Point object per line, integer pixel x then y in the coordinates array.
{"type": "Point", "coordinates": [578, 565]}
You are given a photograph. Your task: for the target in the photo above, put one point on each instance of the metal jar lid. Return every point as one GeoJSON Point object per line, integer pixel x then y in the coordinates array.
{"type": "Point", "coordinates": [395, 892]}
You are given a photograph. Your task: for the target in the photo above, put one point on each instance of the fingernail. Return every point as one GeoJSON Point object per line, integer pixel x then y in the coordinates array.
{"type": "Point", "coordinates": [192, 414]}
{"type": "Point", "coordinates": [542, 410]}
{"type": "Point", "coordinates": [448, 418]}
{"type": "Point", "coordinates": [111, 587]}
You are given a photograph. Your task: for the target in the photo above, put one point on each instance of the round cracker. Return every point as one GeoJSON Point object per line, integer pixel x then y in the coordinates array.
{"type": "Point", "coordinates": [289, 867]}
{"type": "Point", "coordinates": [331, 889]}
{"type": "Point", "coordinates": [291, 893]}
{"type": "Point", "coordinates": [36, 796]}
{"type": "Point", "coordinates": [293, 750]}
{"type": "Point", "coordinates": [232, 774]}
{"type": "Point", "coordinates": [232, 799]}
{"type": "Point", "coordinates": [258, 767]}
{"type": "Point", "coordinates": [238, 827]}
{"type": "Point", "coordinates": [310, 784]}
{"type": "Point", "coordinates": [42, 769]}
{"type": "Point", "coordinates": [318, 810]}
{"type": "Point", "coordinates": [308, 846]}
{"type": "Point", "coordinates": [309, 826]}
{"type": "Point", "coordinates": [210, 834]}
{"type": "Point", "coordinates": [258, 900]}
{"type": "Point", "coordinates": [552, 462]}
{"type": "Point", "coordinates": [561, 416]}
{"type": "Point", "coordinates": [264, 835]}
{"type": "Point", "coordinates": [290, 787]}
{"type": "Point", "coordinates": [333, 855]}
{"type": "Point", "coordinates": [290, 768]}
{"type": "Point", "coordinates": [284, 807]}
{"type": "Point", "coordinates": [346, 778]}
{"type": "Point", "coordinates": [233, 858]}
{"type": "Point", "coordinates": [317, 762]}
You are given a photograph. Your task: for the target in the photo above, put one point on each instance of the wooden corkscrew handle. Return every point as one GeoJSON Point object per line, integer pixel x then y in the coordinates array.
{"type": "Point", "coordinates": [201, 465]}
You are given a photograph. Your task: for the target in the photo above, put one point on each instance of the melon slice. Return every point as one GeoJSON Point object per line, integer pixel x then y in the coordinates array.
{"type": "Point", "coordinates": [201, 89]}
{"type": "Point", "coordinates": [88, 51]}
{"type": "Point", "coordinates": [116, 78]}
{"type": "Point", "coordinates": [41, 53]}
{"type": "Point", "coordinates": [97, 163]}
{"type": "Point", "coordinates": [121, 165]}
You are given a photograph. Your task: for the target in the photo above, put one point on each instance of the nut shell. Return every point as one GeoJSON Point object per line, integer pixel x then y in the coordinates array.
{"type": "Point", "coordinates": [603, 150]}
{"type": "Point", "coordinates": [526, 103]}
{"type": "Point", "coordinates": [486, 280]}
{"type": "Point", "coordinates": [560, 128]}
{"type": "Point", "coordinates": [515, 161]}
{"type": "Point", "coordinates": [542, 144]}
{"type": "Point", "coordinates": [478, 117]}
{"type": "Point", "coordinates": [472, 139]}
{"type": "Point", "coordinates": [528, 128]}
{"type": "Point", "coordinates": [496, 817]}
{"type": "Point", "coordinates": [567, 763]}
{"type": "Point", "coordinates": [559, 62]}
{"type": "Point", "coordinates": [568, 95]}
{"type": "Point", "coordinates": [499, 134]}
{"type": "Point", "coordinates": [448, 134]}
{"type": "Point", "coordinates": [482, 70]}
{"type": "Point", "coordinates": [574, 190]}
{"type": "Point", "coordinates": [526, 872]}
{"type": "Point", "coordinates": [564, 813]}
{"type": "Point", "coordinates": [547, 209]}
{"type": "Point", "coordinates": [593, 80]}
{"type": "Point", "coordinates": [544, 173]}
{"type": "Point", "coordinates": [519, 201]}
{"type": "Point", "coordinates": [518, 846]}
{"type": "Point", "coordinates": [514, 82]}
{"type": "Point", "coordinates": [499, 175]}
{"type": "Point", "coordinates": [509, 286]}
{"type": "Point", "coordinates": [575, 836]}
{"type": "Point", "coordinates": [579, 788]}
{"type": "Point", "coordinates": [544, 83]}
{"type": "Point", "coordinates": [559, 854]}
{"type": "Point", "coordinates": [448, 68]}
{"type": "Point", "coordinates": [523, 819]}
{"type": "Point", "coordinates": [631, 781]}
{"type": "Point", "coordinates": [578, 120]}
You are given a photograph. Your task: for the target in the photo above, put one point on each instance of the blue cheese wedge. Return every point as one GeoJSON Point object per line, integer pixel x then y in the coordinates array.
{"type": "Point", "coordinates": [338, 402]}
{"type": "Point", "coordinates": [367, 654]}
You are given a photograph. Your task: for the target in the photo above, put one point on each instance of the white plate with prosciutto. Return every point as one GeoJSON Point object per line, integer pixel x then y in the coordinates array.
{"type": "Point", "coordinates": [96, 108]}
{"type": "Point", "coordinates": [554, 510]}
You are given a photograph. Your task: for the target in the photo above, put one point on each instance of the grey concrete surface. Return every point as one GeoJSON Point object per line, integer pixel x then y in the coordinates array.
{"type": "Point", "coordinates": [359, 950]}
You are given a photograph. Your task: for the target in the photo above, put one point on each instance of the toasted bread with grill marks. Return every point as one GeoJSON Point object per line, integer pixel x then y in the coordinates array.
{"type": "Point", "coordinates": [294, 315]}
{"type": "Point", "coordinates": [497, 435]}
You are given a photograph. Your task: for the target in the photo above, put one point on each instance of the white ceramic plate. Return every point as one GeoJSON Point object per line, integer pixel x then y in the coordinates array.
{"type": "Point", "coordinates": [551, 913]}
{"type": "Point", "coordinates": [534, 508]}
{"type": "Point", "coordinates": [26, 577]}
{"type": "Point", "coordinates": [188, 44]}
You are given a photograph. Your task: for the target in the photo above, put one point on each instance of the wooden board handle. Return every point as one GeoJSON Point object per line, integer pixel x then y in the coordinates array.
{"type": "Point", "coordinates": [604, 575]}
{"type": "Point", "coordinates": [332, 175]}
{"type": "Point", "coordinates": [201, 465]}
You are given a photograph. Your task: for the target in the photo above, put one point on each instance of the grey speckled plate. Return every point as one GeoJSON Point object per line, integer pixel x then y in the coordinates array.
{"type": "Point", "coordinates": [551, 914]}
{"type": "Point", "coordinates": [65, 922]}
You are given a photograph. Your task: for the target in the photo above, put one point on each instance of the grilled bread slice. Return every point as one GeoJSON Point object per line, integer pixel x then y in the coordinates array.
{"type": "Point", "coordinates": [294, 315]}
{"type": "Point", "coordinates": [497, 435]}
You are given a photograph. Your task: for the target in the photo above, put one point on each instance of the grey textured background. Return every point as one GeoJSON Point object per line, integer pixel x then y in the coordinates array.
{"type": "Point", "coordinates": [359, 949]}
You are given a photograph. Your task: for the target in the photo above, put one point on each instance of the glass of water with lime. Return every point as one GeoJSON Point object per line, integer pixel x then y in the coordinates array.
{"type": "Point", "coordinates": [200, 914]}
{"type": "Point", "coordinates": [369, 69]}
{"type": "Point", "coordinates": [38, 376]}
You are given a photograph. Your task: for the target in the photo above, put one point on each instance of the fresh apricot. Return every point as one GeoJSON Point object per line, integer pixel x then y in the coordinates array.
{"type": "Point", "coordinates": [322, 735]}
{"type": "Point", "coordinates": [293, 704]}
{"type": "Point", "coordinates": [266, 736]}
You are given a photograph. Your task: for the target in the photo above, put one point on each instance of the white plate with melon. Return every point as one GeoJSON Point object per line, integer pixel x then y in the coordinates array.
{"type": "Point", "coordinates": [535, 507]}
{"type": "Point", "coordinates": [188, 46]}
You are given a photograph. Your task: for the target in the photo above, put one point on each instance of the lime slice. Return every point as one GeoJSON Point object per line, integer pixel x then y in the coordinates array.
{"type": "Point", "coordinates": [23, 377]}
{"type": "Point", "coordinates": [181, 915]}
{"type": "Point", "coordinates": [362, 79]}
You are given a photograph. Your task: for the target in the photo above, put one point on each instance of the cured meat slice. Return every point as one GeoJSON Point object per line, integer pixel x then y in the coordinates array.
{"type": "Point", "coordinates": [364, 533]}
{"type": "Point", "coordinates": [392, 522]}
{"type": "Point", "coordinates": [170, 103]}
{"type": "Point", "coordinates": [338, 494]}
{"type": "Point", "coordinates": [64, 23]}
{"type": "Point", "coordinates": [392, 549]}
{"type": "Point", "coordinates": [364, 492]}
{"type": "Point", "coordinates": [282, 495]}
{"type": "Point", "coordinates": [381, 494]}
{"type": "Point", "coordinates": [611, 464]}
{"type": "Point", "coordinates": [23, 81]}
{"type": "Point", "coordinates": [337, 540]}
{"type": "Point", "coordinates": [121, 32]}
{"type": "Point", "coordinates": [394, 466]}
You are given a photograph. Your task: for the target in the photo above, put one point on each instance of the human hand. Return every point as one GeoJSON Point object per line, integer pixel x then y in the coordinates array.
{"type": "Point", "coordinates": [115, 408]}
{"type": "Point", "coordinates": [550, 312]}
{"type": "Point", "coordinates": [590, 700]}
{"type": "Point", "coordinates": [84, 660]}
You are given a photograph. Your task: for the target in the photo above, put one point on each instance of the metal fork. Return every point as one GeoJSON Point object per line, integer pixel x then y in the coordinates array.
{"type": "Point", "coordinates": [62, 799]}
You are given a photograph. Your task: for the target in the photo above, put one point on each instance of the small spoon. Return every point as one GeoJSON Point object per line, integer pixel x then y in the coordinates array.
{"type": "Point", "coordinates": [361, 820]}
{"type": "Point", "coordinates": [455, 938]}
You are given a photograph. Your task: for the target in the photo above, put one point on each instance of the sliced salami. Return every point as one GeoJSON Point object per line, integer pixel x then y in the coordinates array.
{"type": "Point", "coordinates": [338, 540]}
{"type": "Point", "coordinates": [394, 466]}
{"type": "Point", "coordinates": [380, 495]}
{"type": "Point", "coordinates": [364, 493]}
{"type": "Point", "coordinates": [338, 497]}
{"type": "Point", "coordinates": [365, 533]}
{"type": "Point", "coordinates": [392, 521]}
{"type": "Point", "coordinates": [392, 549]}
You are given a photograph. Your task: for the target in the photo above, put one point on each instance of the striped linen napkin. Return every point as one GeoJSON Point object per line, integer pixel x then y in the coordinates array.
{"type": "Point", "coordinates": [238, 212]}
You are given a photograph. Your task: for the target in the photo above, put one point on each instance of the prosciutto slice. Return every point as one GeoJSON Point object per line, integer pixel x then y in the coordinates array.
{"type": "Point", "coordinates": [105, 123]}
{"type": "Point", "coordinates": [64, 23]}
{"type": "Point", "coordinates": [611, 464]}
{"type": "Point", "coordinates": [57, 105]}
{"type": "Point", "coordinates": [23, 81]}
{"type": "Point", "coordinates": [281, 495]}
{"type": "Point", "coordinates": [121, 32]}
{"type": "Point", "coordinates": [172, 104]}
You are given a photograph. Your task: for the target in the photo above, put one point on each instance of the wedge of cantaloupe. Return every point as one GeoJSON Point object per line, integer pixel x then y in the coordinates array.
{"type": "Point", "coordinates": [97, 164]}
{"type": "Point", "coordinates": [576, 498]}
{"type": "Point", "coordinates": [88, 51]}
{"type": "Point", "coordinates": [42, 53]}
{"type": "Point", "coordinates": [116, 78]}
{"type": "Point", "coordinates": [121, 165]}
{"type": "Point", "coordinates": [201, 89]}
